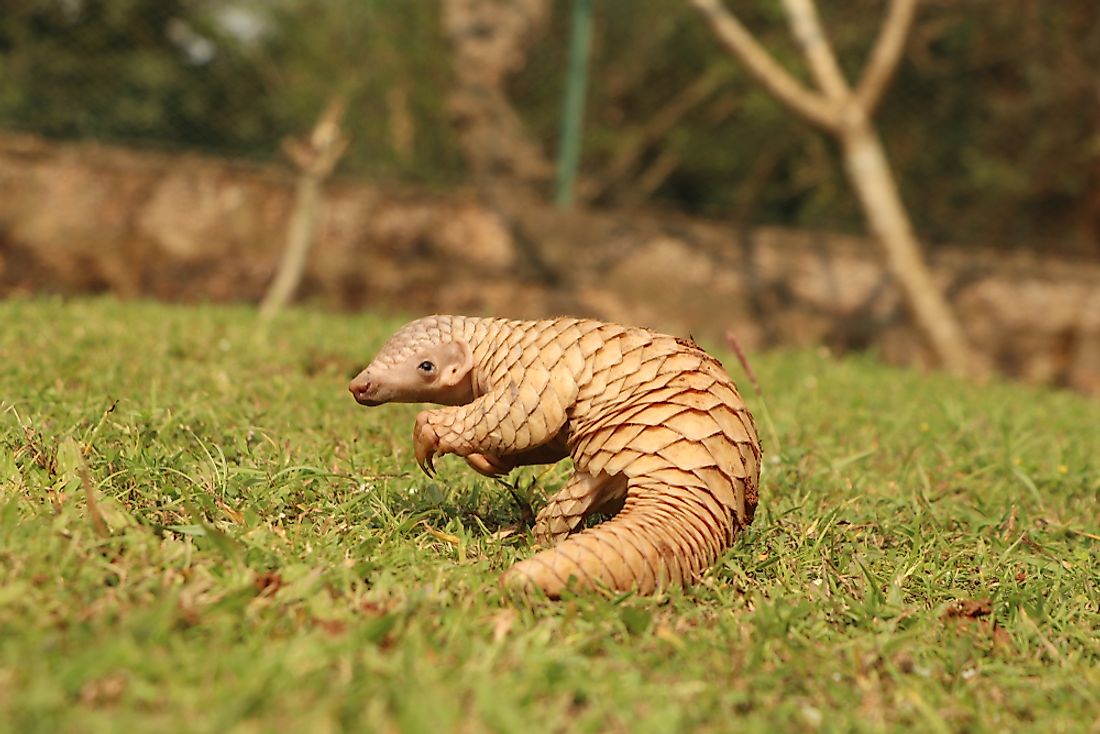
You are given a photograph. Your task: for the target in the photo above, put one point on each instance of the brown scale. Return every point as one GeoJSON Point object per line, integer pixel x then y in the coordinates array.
{"type": "Point", "coordinates": [659, 437]}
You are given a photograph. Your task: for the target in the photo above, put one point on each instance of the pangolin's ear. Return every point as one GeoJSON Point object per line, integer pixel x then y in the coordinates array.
{"type": "Point", "coordinates": [457, 363]}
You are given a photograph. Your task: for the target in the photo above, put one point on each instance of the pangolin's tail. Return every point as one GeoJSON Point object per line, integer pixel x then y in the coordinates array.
{"type": "Point", "coordinates": [691, 456]}
{"type": "Point", "coordinates": [664, 536]}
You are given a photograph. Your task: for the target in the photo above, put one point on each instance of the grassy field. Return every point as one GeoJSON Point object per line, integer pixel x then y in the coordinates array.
{"type": "Point", "coordinates": [201, 531]}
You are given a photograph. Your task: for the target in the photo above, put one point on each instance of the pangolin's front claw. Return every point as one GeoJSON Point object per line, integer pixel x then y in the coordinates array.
{"type": "Point", "coordinates": [426, 465]}
{"type": "Point", "coordinates": [425, 444]}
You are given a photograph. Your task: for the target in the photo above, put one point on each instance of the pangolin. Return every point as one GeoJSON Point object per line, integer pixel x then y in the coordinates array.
{"type": "Point", "coordinates": [658, 434]}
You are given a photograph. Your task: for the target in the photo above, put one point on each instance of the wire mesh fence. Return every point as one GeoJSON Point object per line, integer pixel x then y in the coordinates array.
{"type": "Point", "coordinates": [230, 78]}
{"type": "Point", "coordinates": [993, 122]}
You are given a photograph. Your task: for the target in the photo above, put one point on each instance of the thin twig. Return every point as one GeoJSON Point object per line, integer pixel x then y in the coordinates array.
{"type": "Point", "coordinates": [735, 345]}
{"type": "Point", "coordinates": [98, 524]}
{"type": "Point", "coordinates": [102, 419]}
{"type": "Point", "coordinates": [657, 128]}
{"type": "Point", "coordinates": [526, 511]}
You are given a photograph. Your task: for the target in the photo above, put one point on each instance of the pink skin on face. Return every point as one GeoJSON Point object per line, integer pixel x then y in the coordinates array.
{"type": "Point", "coordinates": [439, 373]}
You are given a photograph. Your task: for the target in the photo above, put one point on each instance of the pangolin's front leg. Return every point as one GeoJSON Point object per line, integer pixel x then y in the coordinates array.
{"type": "Point", "coordinates": [513, 418]}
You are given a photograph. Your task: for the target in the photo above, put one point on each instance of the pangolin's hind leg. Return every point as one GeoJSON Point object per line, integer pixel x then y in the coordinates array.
{"type": "Point", "coordinates": [583, 495]}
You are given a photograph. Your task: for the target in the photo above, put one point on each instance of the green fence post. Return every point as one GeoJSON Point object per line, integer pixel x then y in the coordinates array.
{"type": "Point", "coordinates": [569, 144]}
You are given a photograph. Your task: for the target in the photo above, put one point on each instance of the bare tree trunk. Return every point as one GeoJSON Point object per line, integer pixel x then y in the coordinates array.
{"type": "Point", "coordinates": [846, 114]}
{"type": "Point", "coordinates": [489, 39]}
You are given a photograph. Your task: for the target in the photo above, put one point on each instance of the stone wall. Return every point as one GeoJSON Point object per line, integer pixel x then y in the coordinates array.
{"type": "Point", "coordinates": [86, 218]}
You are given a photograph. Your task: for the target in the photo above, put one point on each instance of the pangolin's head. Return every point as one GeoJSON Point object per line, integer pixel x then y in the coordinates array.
{"type": "Point", "coordinates": [424, 362]}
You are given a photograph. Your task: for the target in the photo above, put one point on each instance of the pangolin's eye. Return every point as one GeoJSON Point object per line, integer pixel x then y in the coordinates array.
{"type": "Point", "coordinates": [426, 367]}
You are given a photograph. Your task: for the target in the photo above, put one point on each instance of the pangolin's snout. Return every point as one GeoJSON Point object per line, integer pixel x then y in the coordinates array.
{"type": "Point", "coordinates": [360, 389]}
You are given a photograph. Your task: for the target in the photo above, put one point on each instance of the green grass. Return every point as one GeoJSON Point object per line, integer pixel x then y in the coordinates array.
{"type": "Point", "coordinates": [261, 554]}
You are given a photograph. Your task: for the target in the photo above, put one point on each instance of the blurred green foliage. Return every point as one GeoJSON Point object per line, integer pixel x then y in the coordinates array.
{"type": "Point", "coordinates": [139, 70]}
{"type": "Point", "coordinates": [993, 122]}
{"type": "Point", "coordinates": [232, 77]}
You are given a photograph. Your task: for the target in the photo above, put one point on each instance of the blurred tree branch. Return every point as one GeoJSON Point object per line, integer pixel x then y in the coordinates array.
{"type": "Point", "coordinates": [638, 141]}
{"type": "Point", "coordinates": [766, 70]}
{"type": "Point", "coordinates": [886, 54]}
{"type": "Point", "coordinates": [315, 157]}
